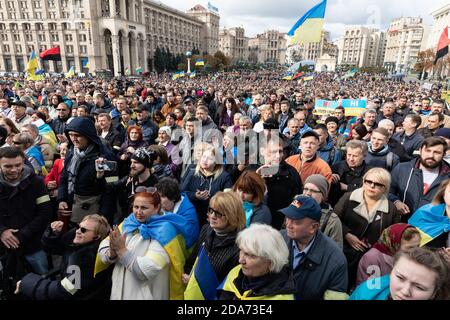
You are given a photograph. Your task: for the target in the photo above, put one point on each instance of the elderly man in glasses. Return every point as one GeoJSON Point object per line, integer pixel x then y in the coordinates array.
{"type": "Point", "coordinates": [78, 247]}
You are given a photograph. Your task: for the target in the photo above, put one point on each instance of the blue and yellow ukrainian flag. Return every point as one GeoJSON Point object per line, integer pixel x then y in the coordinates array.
{"type": "Point", "coordinates": [71, 72]}
{"type": "Point", "coordinates": [200, 62]}
{"type": "Point", "coordinates": [309, 27]}
{"type": "Point", "coordinates": [173, 232]}
{"type": "Point", "coordinates": [431, 220]}
{"type": "Point", "coordinates": [32, 63]}
{"type": "Point", "coordinates": [203, 282]}
{"type": "Point", "coordinates": [193, 75]}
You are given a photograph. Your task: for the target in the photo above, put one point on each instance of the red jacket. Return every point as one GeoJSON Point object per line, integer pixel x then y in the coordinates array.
{"type": "Point", "coordinates": [56, 172]}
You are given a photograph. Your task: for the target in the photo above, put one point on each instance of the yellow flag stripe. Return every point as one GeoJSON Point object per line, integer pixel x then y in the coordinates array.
{"type": "Point", "coordinates": [309, 31]}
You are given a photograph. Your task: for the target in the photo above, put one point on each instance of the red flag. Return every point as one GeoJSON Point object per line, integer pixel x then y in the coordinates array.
{"type": "Point", "coordinates": [51, 54]}
{"type": "Point", "coordinates": [442, 48]}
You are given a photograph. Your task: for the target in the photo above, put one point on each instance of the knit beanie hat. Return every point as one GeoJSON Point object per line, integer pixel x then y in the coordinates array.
{"type": "Point", "coordinates": [320, 182]}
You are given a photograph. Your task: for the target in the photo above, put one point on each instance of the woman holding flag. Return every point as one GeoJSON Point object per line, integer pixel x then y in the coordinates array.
{"type": "Point", "coordinates": [148, 251]}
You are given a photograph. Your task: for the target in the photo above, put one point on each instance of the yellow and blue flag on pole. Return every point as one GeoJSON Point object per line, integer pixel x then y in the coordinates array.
{"type": "Point", "coordinates": [32, 63]}
{"type": "Point", "coordinates": [71, 72]}
{"type": "Point", "coordinates": [193, 75]}
{"type": "Point", "coordinates": [203, 282]}
{"type": "Point", "coordinates": [431, 221]}
{"type": "Point", "coordinates": [309, 27]}
{"type": "Point", "coordinates": [200, 62]}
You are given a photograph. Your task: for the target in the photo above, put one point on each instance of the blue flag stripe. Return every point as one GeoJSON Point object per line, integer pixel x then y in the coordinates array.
{"type": "Point", "coordinates": [205, 276]}
{"type": "Point", "coordinates": [317, 12]}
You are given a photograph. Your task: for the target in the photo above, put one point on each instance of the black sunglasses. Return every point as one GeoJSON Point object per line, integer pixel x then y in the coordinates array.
{"type": "Point", "coordinates": [216, 213]}
{"type": "Point", "coordinates": [373, 183]}
{"type": "Point", "coordinates": [83, 229]}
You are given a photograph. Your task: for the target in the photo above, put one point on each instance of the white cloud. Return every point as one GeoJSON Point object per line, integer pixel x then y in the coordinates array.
{"type": "Point", "coordinates": [260, 15]}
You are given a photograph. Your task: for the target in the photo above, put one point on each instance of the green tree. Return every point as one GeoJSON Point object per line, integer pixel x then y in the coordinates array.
{"type": "Point", "coordinates": [159, 60]}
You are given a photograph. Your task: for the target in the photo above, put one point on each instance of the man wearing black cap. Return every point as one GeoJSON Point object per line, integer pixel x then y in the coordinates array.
{"type": "Point", "coordinates": [318, 264]}
{"type": "Point", "coordinates": [19, 114]}
{"type": "Point", "coordinates": [140, 176]}
{"type": "Point", "coordinates": [148, 126]}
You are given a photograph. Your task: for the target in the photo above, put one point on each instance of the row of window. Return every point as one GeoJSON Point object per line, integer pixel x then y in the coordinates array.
{"type": "Point", "coordinates": [18, 49]}
{"type": "Point", "coordinates": [42, 37]}
{"type": "Point", "coordinates": [37, 4]}
{"type": "Point", "coordinates": [14, 27]}
{"type": "Point", "coordinates": [39, 15]}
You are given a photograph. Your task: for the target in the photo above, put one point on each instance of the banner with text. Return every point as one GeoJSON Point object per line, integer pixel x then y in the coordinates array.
{"type": "Point", "coordinates": [353, 108]}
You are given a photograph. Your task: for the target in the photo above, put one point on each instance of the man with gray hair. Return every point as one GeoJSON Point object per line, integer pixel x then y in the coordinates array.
{"type": "Point", "coordinates": [348, 173]}
{"type": "Point", "coordinates": [394, 145]}
{"type": "Point", "coordinates": [40, 141]}
{"type": "Point", "coordinates": [388, 112]}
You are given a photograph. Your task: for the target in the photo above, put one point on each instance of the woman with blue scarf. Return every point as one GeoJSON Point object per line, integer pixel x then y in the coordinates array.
{"type": "Point", "coordinates": [250, 186]}
{"type": "Point", "coordinates": [142, 264]}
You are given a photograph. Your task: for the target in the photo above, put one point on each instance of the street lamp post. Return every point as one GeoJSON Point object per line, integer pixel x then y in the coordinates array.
{"type": "Point", "coordinates": [188, 56]}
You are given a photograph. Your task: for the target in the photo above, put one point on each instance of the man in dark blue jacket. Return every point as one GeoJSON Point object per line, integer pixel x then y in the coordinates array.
{"type": "Point", "coordinates": [80, 188]}
{"type": "Point", "coordinates": [415, 183]}
{"type": "Point", "coordinates": [318, 264]}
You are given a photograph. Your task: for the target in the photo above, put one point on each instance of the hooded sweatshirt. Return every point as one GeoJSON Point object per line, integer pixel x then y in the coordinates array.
{"type": "Point", "coordinates": [380, 158]}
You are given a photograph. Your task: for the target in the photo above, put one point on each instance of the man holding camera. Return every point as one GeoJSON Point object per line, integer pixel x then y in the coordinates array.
{"type": "Point", "coordinates": [140, 176]}
{"type": "Point", "coordinates": [80, 188]}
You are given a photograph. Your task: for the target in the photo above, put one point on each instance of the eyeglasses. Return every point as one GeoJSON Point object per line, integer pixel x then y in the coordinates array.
{"type": "Point", "coordinates": [83, 229]}
{"type": "Point", "coordinates": [60, 109]}
{"type": "Point", "coordinates": [216, 213]}
{"type": "Point", "coordinates": [310, 190]}
{"type": "Point", "coordinates": [373, 183]}
{"type": "Point", "coordinates": [17, 142]}
{"type": "Point", "coordinates": [147, 190]}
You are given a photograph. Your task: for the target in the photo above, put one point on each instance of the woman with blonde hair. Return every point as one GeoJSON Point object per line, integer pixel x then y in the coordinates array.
{"type": "Point", "coordinates": [205, 181]}
{"type": "Point", "coordinates": [266, 114]}
{"type": "Point", "coordinates": [226, 218]}
{"type": "Point", "coordinates": [365, 213]}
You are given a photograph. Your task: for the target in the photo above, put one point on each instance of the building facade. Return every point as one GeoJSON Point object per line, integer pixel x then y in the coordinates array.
{"type": "Point", "coordinates": [210, 29]}
{"type": "Point", "coordinates": [361, 47]}
{"type": "Point", "coordinates": [119, 35]}
{"type": "Point", "coordinates": [234, 44]}
{"type": "Point", "coordinates": [269, 47]}
{"type": "Point", "coordinates": [404, 42]}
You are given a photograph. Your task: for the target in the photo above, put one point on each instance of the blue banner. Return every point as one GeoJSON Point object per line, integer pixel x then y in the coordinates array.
{"type": "Point", "coordinates": [353, 108]}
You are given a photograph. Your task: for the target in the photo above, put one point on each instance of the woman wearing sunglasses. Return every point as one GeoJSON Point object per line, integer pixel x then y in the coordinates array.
{"type": "Point", "coordinates": [226, 218]}
{"type": "Point", "coordinates": [141, 250]}
{"type": "Point", "coordinates": [365, 213]}
{"type": "Point", "coordinates": [78, 248]}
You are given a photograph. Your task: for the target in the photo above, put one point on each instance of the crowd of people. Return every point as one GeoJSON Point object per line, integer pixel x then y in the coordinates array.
{"type": "Point", "coordinates": [125, 189]}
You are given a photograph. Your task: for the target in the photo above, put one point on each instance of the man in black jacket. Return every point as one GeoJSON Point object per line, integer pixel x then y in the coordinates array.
{"type": "Point", "coordinates": [348, 174]}
{"type": "Point", "coordinates": [415, 183]}
{"type": "Point", "coordinates": [282, 180]}
{"type": "Point", "coordinates": [25, 210]}
{"type": "Point", "coordinates": [79, 187]}
{"type": "Point", "coordinates": [79, 250]}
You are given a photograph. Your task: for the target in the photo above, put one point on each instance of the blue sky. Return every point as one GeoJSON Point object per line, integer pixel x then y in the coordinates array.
{"type": "Point", "coordinates": [256, 16]}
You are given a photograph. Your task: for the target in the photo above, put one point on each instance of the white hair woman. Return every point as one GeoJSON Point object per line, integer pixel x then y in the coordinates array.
{"type": "Point", "coordinates": [262, 273]}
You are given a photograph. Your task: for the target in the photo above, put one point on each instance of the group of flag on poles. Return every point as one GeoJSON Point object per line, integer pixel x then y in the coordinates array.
{"type": "Point", "coordinates": [53, 54]}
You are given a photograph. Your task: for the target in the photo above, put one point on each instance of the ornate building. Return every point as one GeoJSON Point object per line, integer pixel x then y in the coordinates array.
{"type": "Point", "coordinates": [119, 35]}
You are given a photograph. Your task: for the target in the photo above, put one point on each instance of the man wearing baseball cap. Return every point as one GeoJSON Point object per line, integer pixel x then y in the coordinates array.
{"type": "Point", "coordinates": [318, 264]}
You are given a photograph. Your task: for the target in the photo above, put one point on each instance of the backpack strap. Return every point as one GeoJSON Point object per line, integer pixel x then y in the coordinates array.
{"type": "Point", "coordinates": [325, 222]}
{"type": "Point", "coordinates": [332, 154]}
{"type": "Point", "coordinates": [389, 160]}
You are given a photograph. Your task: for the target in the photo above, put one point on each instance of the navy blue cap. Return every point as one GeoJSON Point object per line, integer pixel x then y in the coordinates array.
{"type": "Point", "coordinates": [303, 207]}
